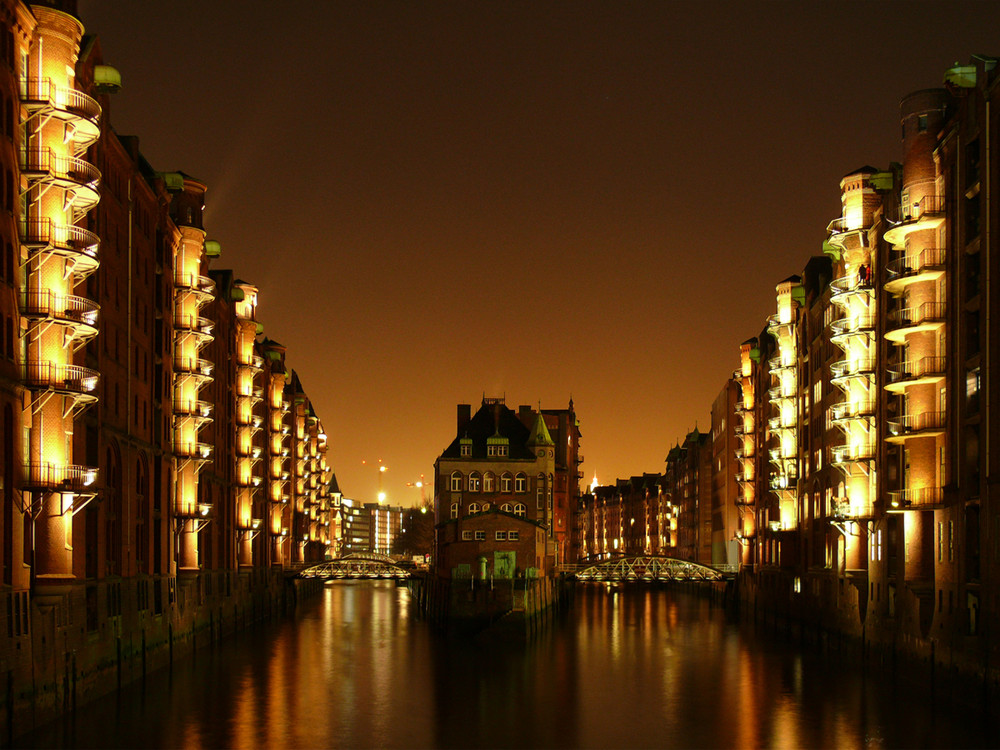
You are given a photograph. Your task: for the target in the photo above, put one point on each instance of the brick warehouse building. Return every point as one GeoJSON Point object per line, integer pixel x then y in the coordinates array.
{"type": "Point", "coordinates": [504, 489]}
{"type": "Point", "coordinates": [161, 464]}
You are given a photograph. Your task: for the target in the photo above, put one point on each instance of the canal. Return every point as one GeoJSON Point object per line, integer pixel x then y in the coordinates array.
{"type": "Point", "coordinates": [625, 667]}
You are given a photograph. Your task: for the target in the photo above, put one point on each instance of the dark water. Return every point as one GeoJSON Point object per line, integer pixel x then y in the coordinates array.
{"type": "Point", "coordinates": [626, 667]}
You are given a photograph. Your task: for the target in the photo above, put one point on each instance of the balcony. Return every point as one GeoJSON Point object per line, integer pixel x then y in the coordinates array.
{"type": "Point", "coordinates": [78, 247]}
{"type": "Point", "coordinates": [925, 424]}
{"type": "Point", "coordinates": [81, 113]}
{"type": "Point", "coordinates": [776, 327]}
{"type": "Point", "coordinates": [778, 364]}
{"type": "Point", "coordinates": [847, 411]}
{"type": "Point", "coordinates": [194, 367]}
{"type": "Point", "coordinates": [927, 213]}
{"type": "Point", "coordinates": [201, 411]}
{"type": "Point", "coordinates": [253, 361]}
{"type": "Point", "coordinates": [79, 178]}
{"type": "Point", "coordinates": [921, 498]}
{"type": "Point", "coordinates": [845, 509]}
{"type": "Point", "coordinates": [59, 477]}
{"type": "Point", "coordinates": [851, 325]}
{"type": "Point", "coordinates": [201, 286]}
{"type": "Point", "coordinates": [916, 372]}
{"type": "Point", "coordinates": [849, 287]}
{"type": "Point", "coordinates": [194, 324]}
{"type": "Point", "coordinates": [926, 265]}
{"type": "Point", "coordinates": [193, 449]}
{"type": "Point", "coordinates": [76, 313]}
{"type": "Point", "coordinates": [929, 316]}
{"type": "Point", "coordinates": [849, 454]}
{"type": "Point", "coordinates": [844, 369]}
{"type": "Point", "coordinates": [69, 379]}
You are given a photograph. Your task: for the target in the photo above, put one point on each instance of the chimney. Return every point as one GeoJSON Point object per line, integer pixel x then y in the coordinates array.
{"type": "Point", "coordinates": [464, 417]}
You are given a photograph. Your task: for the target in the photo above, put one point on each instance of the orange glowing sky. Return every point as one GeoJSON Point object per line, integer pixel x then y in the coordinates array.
{"type": "Point", "coordinates": [530, 199]}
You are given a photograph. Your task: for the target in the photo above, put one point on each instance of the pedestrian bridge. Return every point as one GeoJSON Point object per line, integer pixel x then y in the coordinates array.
{"type": "Point", "coordinates": [356, 565]}
{"type": "Point", "coordinates": [649, 569]}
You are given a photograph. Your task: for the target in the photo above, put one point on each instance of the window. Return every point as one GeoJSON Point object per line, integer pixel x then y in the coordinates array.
{"type": "Point", "coordinates": [480, 536]}
{"type": "Point", "coordinates": [520, 483]}
{"type": "Point", "coordinates": [519, 510]}
{"type": "Point", "coordinates": [506, 481]}
{"type": "Point", "coordinates": [474, 508]}
{"type": "Point", "coordinates": [474, 480]}
{"type": "Point", "coordinates": [540, 491]}
{"type": "Point", "coordinates": [486, 507]}
{"type": "Point", "coordinates": [454, 510]}
{"type": "Point", "coordinates": [456, 481]}
{"type": "Point", "coordinates": [501, 536]}
{"type": "Point", "coordinates": [489, 482]}
{"type": "Point", "coordinates": [466, 450]}
{"type": "Point", "coordinates": [514, 536]}
{"type": "Point", "coordinates": [466, 536]}
{"type": "Point", "coordinates": [506, 508]}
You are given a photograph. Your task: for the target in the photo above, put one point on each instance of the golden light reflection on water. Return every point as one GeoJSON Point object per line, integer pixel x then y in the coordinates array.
{"type": "Point", "coordinates": [630, 666]}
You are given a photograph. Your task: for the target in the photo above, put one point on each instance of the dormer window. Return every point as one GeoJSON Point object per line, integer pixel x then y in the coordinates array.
{"type": "Point", "coordinates": [465, 449]}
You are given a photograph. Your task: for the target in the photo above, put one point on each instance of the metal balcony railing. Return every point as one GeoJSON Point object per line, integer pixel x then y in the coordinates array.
{"type": "Point", "coordinates": [911, 424]}
{"type": "Point", "coordinates": [38, 93]}
{"type": "Point", "coordinates": [928, 312]}
{"type": "Point", "coordinates": [849, 453]}
{"type": "Point", "coordinates": [852, 367]}
{"type": "Point", "coordinates": [67, 239]}
{"type": "Point", "coordinates": [852, 410]}
{"type": "Point", "coordinates": [918, 368]}
{"type": "Point", "coordinates": [193, 366]}
{"type": "Point", "coordinates": [195, 283]}
{"type": "Point", "coordinates": [59, 377]}
{"type": "Point", "coordinates": [66, 308]}
{"type": "Point", "coordinates": [61, 477]}
{"type": "Point", "coordinates": [926, 260]}
{"type": "Point", "coordinates": [65, 169]}
{"type": "Point", "coordinates": [915, 499]}
{"type": "Point", "coordinates": [194, 324]}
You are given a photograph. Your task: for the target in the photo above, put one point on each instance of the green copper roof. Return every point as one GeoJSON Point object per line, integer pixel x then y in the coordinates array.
{"type": "Point", "coordinates": [540, 433]}
{"type": "Point", "coordinates": [497, 439]}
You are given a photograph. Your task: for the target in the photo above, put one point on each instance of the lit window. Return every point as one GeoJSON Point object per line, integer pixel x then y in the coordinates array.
{"type": "Point", "coordinates": [513, 536]}
{"type": "Point", "coordinates": [474, 480]}
{"type": "Point", "coordinates": [489, 482]}
{"type": "Point", "coordinates": [456, 481]}
{"type": "Point", "coordinates": [506, 481]}
{"type": "Point", "coordinates": [520, 483]}
{"type": "Point", "coordinates": [501, 536]}
{"type": "Point", "coordinates": [454, 510]}
{"type": "Point", "coordinates": [466, 536]}
{"type": "Point", "coordinates": [480, 536]}
{"type": "Point", "coordinates": [519, 510]}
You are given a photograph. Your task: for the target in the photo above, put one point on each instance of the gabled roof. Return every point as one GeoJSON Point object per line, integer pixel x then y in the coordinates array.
{"type": "Point", "coordinates": [490, 421]}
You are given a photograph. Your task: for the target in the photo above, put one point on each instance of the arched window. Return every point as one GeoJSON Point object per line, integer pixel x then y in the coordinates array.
{"type": "Point", "coordinates": [474, 508]}
{"type": "Point", "coordinates": [486, 507]}
{"type": "Point", "coordinates": [519, 510]}
{"type": "Point", "coordinates": [489, 482]}
{"type": "Point", "coordinates": [454, 510]}
{"type": "Point", "coordinates": [456, 481]}
{"type": "Point", "coordinates": [540, 491]}
{"type": "Point", "coordinates": [507, 508]}
{"type": "Point", "coordinates": [474, 481]}
{"type": "Point", "coordinates": [520, 483]}
{"type": "Point", "coordinates": [506, 482]}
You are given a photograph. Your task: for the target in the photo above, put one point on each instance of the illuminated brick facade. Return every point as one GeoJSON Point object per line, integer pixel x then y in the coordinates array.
{"type": "Point", "coordinates": [504, 490]}
{"type": "Point", "coordinates": [161, 467]}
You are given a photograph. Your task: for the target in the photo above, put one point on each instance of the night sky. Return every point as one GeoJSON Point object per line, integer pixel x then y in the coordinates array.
{"type": "Point", "coordinates": [530, 199]}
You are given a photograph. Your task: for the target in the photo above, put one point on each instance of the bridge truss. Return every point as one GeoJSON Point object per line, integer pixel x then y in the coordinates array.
{"type": "Point", "coordinates": [356, 565]}
{"type": "Point", "coordinates": [648, 568]}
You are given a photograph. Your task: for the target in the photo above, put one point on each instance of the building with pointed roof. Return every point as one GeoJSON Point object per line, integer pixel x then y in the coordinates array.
{"type": "Point", "coordinates": [503, 491]}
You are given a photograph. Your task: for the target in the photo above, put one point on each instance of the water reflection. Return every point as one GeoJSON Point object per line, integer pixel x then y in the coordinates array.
{"type": "Point", "coordinates": [628, 667]}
